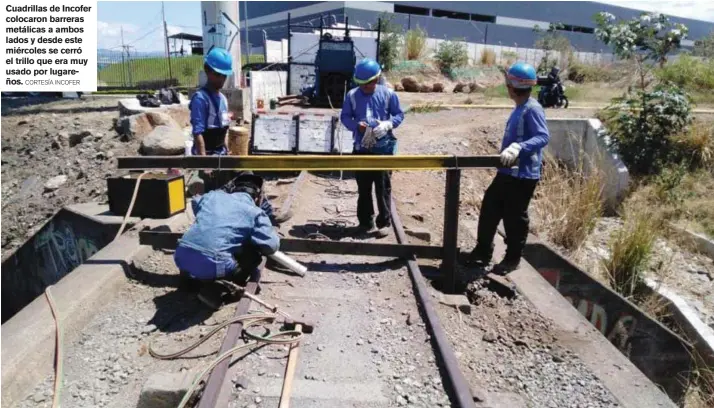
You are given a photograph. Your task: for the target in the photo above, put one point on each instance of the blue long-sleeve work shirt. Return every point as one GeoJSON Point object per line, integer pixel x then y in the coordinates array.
{"type": "Point", "coordinates": [382, 104]}
{"type": "Point", "coordinates": [209, 114]}
{"type": "Point", "coordinates": [224, 224]}
{"type": "Point", "coordinates": [527, 127]}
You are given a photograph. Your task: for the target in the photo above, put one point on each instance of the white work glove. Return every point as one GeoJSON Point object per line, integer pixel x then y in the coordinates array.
{"type": "Point", "coordinates": [509, 156]}
{"type": "Point", "coordinates": [368, 140]}
{"type": "Point", "coordinates": [383, 128]}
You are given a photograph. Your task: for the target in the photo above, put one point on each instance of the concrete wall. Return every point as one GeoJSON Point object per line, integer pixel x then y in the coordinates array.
{"type": "Point", "coordinates": [654, 349]}
{"type": "Point", "coordinates": [580, 144]}
{"type": "Point", "coordinates": [62, 244]}
{"type": "Point", "coordinates": [266, 85]}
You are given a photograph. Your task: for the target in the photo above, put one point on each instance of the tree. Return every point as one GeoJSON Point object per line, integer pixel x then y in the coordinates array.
{"type": "Point", "coordinates": [390, 41]}
{"type": "Point", "coordinates": [551, 40]}
{"type": "Point", "coordinates": [641, 124]}
{"type": "Point", "coordinates": [704, 47]}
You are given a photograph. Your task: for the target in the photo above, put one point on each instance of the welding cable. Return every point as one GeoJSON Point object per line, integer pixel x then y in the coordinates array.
{"type": "Point", "coordinates": [282, 337]}
{"type": "Point", "coordinates": [59, 372]}
{"type": "Point", "coordinates": [131, 205]}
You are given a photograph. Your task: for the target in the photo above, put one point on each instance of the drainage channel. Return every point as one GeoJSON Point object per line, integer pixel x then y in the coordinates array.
{"type": "Point", "coordinates": [64, 242]}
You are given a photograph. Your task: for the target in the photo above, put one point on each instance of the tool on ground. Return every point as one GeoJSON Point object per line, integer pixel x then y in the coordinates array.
{"type": "Point", "coordinates": [289, 263]}
{"type": "Point", "coordinates": [290, 371]}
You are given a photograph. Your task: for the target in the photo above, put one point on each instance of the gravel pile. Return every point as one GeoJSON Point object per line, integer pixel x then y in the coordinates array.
{"type": "Point", "coordinates": [508, 348]}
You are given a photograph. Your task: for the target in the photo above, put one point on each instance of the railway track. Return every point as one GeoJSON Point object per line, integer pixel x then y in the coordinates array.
{"type": "Point", "coordinates": [369, 336]}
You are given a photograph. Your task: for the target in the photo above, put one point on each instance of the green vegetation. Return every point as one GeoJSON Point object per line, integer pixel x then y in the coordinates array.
{"type": "Point", "coordinates": [390, 42]}
{"type": "Point", "coordinates": [415, 43]}
{"type": "Point", "coordinates": [450, 55]}
{"type": "Point", "coordinates": [156, 69]}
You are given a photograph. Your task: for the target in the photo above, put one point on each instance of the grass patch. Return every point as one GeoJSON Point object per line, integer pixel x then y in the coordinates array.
{"type": "Point", "coordinates": [414, 43]}
{"type": "Point", "coordinates": [488, 57]}
{"type": "Point", "coordinates": [426, 108]}
{"type": "Point", "coordinates": [568, 204]}
{"type": "Point", "coordinates": [131, 73]}
{"type": "Point", "coordinates": [630, 251]}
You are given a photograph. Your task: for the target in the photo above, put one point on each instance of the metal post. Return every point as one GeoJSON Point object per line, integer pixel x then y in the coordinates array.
{"type": "Point", "coordinates": [451, 229]}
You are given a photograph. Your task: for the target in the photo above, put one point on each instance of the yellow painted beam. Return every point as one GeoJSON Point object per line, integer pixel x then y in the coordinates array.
{"type": "Point", "coordinates": [310, 162]}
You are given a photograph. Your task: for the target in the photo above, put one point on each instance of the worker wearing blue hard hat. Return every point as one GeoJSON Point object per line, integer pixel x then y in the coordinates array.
{"type": "Point", "coordinates": [210, 120]}
{"type": "Point", "coordinates": [372, 111]}
{"type": "Point", "coordinates": [510, 193]}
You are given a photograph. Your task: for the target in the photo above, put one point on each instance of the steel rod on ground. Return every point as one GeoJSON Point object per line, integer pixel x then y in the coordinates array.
{"type": "Point", "coordinates": [310, 162]}
{"type": "Point", "coordinates": [169, 240]}
{"type": "Point", "coordinates": [216, 379]}
{"type": "Point", "coordinates": [287, 205]}
{"type": "Point", "coordinates": [451, 229]}
{"type": "Point", "coordinates": [457, 386]}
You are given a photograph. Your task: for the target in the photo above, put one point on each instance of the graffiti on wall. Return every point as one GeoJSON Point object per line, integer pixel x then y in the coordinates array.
{"type": "Point", "coordinates": [61, 250]}
{"type": "Point", "coordinates": [61, 245]}
{"type": "Point", "coordinates": [618, 327]}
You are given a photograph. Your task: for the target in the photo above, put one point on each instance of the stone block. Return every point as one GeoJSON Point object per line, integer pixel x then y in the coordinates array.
{"type": "Point", "coordinates": [419, 233]}
{"type": "Point", "coordinates": [135, 126]}
{"type": "Point", "coordinates": [458, 301]}
{"type": "Point", "coordinates": [163, 141]}
{"type": "Point", "coordinates": [165, 390]}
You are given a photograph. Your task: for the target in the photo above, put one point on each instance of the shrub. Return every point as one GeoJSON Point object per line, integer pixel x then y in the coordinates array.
{"type": "Point", "coordinates": [415, 42]}
{"type": "Point", "coordinates": [695, 146]}
{"type": "Point", "coordinates": [390, 42]}
{"type": "Point", "coordinates": [568, 203]}
{"type": "Point", "coordinates": [640, 126]}
{"type": "Point", "coordinates": [581, 73]}
{"type": "Point", "coordinates": [692, 73]}
{"type": "Point", "coordinates": [488, 57]}
{"type": "Point", "coordinates": [509, 57]}
{"type": "Point", "coordinates": [451, 54]}
{"type": "Point", "coordinates": [630, 251]}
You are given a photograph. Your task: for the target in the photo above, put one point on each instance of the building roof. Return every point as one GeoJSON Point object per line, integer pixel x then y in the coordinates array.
{"type": "Point", "coordinates": [186, 36]}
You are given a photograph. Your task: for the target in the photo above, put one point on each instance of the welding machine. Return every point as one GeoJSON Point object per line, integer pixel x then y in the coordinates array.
{"type": "Point", "coordinates": [160, 195]}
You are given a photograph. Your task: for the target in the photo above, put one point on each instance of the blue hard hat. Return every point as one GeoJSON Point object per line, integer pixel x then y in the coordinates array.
{"type": "Point", "coordinates": [220, 61]}
{"type": "Point", "coordinates": [366, 71]}
{"type": "Point", "coordinates": [521, 75]}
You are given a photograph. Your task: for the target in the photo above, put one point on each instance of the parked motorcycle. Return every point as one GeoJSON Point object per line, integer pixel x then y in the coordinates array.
{"type": "Point", "coordinates": [552, 90]}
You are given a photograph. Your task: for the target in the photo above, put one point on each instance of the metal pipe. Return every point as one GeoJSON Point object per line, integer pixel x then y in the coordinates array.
{"type": "Point", "coordinates": [457, 387]}
{"type": "Point", "coordinates": [289, 263]}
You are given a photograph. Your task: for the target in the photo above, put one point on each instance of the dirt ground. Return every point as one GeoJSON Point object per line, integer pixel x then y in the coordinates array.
{"type": "Point", "coordinates": [523, 364]}
{"type": "Point", "coordinates": [72, 140]}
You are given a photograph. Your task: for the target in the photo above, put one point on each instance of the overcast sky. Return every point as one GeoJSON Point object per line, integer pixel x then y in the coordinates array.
{"type": "Point", "coordinates": [698, 10]}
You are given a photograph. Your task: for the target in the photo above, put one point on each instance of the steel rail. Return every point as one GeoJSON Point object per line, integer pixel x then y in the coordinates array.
{"type": "Point", "coordinates": [458, 387]}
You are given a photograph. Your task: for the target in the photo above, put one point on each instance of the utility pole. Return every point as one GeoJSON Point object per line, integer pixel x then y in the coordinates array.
{"type": "Point", "coordinates": [245, 18]}
{"type": "Point", "coordinates": [125, 49]}
{"type": "Point", "coordinates": [166, 38]}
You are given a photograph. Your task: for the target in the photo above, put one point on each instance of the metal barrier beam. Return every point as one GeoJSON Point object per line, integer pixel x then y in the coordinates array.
{"type": "Point", "coordinates": [169, 240]}
{"type": "Point", "coordinates": [310, 162]}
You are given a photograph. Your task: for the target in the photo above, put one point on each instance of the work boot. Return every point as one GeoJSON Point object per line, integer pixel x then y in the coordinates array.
{"type": "Point", "coordinates": [211, 295]}
{"type": "Point", "coordinates": [508, 264]}
{"type": "Point", "coordinates": [480, 257]}
{"type": "Point", "coordinates": [382, 232]}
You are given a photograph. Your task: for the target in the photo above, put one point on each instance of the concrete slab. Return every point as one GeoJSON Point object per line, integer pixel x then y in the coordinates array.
{"type": "Point", "coordinates": [100, 213]}
{"type": "Point", "coordinates": [28, 337]}
{"type": "Point", "coordinates": [131, 106]}
{"type": "Point", "coordinates": [619, 375]}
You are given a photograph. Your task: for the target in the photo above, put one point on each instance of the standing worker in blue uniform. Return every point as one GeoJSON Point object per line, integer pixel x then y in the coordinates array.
{"type": "Point", "coordinates": [210, 120]}
{"type": "Point", "coordinates": [372, 111]}
{"type": "Point", "coordinates": [510, 193]}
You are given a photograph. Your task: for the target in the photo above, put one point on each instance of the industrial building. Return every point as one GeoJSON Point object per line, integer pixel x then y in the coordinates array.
{"type": "Point", "coordinates": [487, 22]}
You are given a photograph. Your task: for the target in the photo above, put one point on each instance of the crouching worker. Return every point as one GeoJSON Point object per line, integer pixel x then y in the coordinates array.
{"type": "Point", "coordinates": [228, 240]}
{"type": "Point", "coordinates": [510, 193]}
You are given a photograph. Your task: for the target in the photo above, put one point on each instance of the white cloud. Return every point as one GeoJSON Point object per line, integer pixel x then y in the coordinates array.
{"type": "Point", "coordinates": [697, 9]}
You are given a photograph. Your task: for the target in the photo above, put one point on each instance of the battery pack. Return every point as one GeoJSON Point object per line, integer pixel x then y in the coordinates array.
{"type": "Point", "coordinates": [159, 196]}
